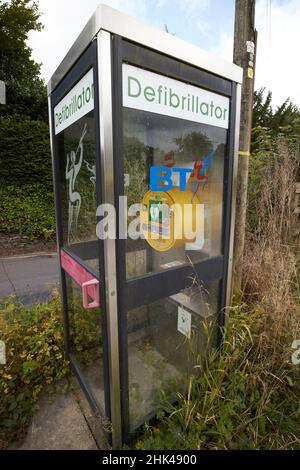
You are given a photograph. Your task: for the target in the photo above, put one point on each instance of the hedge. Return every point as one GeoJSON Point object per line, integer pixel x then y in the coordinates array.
{"type": "Point", "coordinates": [25, 156]}
{"type": "Point", "coordinates": [27, 210]}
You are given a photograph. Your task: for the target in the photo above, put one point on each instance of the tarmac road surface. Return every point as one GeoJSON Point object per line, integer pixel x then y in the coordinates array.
{"type": "Point", "coordinates": [31, 277]}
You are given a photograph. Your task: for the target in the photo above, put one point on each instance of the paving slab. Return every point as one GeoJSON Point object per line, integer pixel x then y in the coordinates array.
{"type": "Point", "coordinates": [60, 425]}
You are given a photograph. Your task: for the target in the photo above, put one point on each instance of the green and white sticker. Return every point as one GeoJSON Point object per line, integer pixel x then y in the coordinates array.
{"type": "Point", "coordinates": [78, 102]}
{"type": "Point", "coordinates": [184, 322]}
{"type": "Point", "coordinates": [159, 94]}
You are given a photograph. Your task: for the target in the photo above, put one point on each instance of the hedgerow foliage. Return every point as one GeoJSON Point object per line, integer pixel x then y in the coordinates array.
{"type": "Point", "coordinates": [27, 210]}
{"type": "Point", "coordinates": [25, 156]}
{"type": "Point", "coordinates": [26, 194]}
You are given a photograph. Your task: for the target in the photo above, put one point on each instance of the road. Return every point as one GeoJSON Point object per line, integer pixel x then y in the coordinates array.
{"type": "Point", "coordinates": [29, 277]}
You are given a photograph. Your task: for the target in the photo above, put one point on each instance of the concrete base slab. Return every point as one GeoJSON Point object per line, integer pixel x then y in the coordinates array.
{"type": "Point", "coordinates": [60, 425]}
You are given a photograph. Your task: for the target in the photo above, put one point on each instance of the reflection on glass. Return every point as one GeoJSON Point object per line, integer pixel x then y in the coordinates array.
{"type": "Point", "coordinates": [165, 341]}
{"type": "Point", "coordinates": [156, 140]}
{"type": "Point", "coordinates": [86, 340]}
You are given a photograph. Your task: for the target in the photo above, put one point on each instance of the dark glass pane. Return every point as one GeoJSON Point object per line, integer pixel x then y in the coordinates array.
{"type": "Point", "coordinates": [165, 342]}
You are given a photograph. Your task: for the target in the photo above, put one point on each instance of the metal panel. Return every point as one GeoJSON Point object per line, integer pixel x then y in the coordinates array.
{"type": "Point", "coordinates": [82, 42]}
{"type": "Point", "coordinates": [74, 75]}
{"type": "Point", "coordinates": [101, 248]}
{"type": "Point", "coordinates": [153, 287]}
{"type": "Point", "coordinates": [233, 196]}
{"type": "Point", "coordinates": [107, 173]}
{"type": "Point", "coordinates": [111, 20]}
{"type": "Point", "coordinates": [152, 60]}
{"type": "Point", "coordinates": [117, 50]}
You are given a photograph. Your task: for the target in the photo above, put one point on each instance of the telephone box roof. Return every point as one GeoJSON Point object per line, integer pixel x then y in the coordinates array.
{"type": "Point", "coordinates": [137, 31]}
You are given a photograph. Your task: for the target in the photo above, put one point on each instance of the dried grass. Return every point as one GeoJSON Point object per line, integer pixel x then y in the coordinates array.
{"type": "Point", "coordinates": [270, 260]}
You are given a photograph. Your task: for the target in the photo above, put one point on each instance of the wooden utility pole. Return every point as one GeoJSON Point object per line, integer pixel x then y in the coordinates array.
{"type": "Point", "coordinates": [244, 53]}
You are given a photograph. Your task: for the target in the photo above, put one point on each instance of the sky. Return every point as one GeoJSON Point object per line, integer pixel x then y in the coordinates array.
{"type": "Point", "coordinates": [208, 24]}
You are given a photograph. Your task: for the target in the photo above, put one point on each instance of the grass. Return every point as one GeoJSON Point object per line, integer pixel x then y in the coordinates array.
{"type": "Point", "coordinates": [247, 397]}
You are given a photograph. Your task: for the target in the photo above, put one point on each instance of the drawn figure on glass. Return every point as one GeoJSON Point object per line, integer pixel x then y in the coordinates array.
{"type": "Point", "coordinates": [92, 170]}
{"type": "Point", "coordinates": [72, 169]}
{"type": "Point", "coordinates": [198, 174]}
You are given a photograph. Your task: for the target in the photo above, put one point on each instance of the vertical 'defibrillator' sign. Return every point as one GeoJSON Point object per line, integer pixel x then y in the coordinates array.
{"type": "Point", "coordinates": [78, 102]}
{"type": "Point", "coordinates": [159, 94]}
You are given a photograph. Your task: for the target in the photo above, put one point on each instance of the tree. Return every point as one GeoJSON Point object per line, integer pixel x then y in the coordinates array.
{"type": "Point", "coordinates": [26, 91]}
{"type": "Point", "coordinates": [262, 109]}
{"type": "Point", "coordinates": [285, 119]}
{"type": "Point", "coordinates": [264, 116]}
{"type": "Point", "coordinates": [285, 115]}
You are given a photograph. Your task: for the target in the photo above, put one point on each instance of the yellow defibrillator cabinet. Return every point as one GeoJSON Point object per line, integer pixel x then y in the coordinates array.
{"type": "Point", "coordinates": [169, 218]}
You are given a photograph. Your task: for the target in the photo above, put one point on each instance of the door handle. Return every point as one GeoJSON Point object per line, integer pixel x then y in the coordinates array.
{"type": "Point", "coordinates": [89, 284]}
{"type": "Point", "coordinates": [91, 289]}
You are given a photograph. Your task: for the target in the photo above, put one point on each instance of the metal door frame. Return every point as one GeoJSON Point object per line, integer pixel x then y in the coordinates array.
{"type": "Point", "coordinates": [217, 267]}
{"type": "Point", "coordinates": [110, 261]}
{"type": "Point", "coordinates": [88, 60]}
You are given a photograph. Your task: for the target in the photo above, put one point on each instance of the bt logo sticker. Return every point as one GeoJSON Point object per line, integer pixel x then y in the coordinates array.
{"type": "Point", "coordinates": [161, 176]}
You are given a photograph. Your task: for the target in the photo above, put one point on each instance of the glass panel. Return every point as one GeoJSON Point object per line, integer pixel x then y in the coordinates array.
{"type": "Point", "coordinates": [86, 340]}
{"type": "Point", "coordinates": [156, 140]}
{"type": "Point", "coordinates": [76, 146]}
{"type": "Point", "coordinates": [165, 339]}
{"type": "Point", "coordinates": [88, 254]}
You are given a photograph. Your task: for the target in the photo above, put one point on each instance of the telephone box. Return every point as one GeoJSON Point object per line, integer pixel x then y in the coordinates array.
{"type": "Point", "coordinates": [144, 133]}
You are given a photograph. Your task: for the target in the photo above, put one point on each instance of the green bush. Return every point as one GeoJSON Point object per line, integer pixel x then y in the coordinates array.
{"type": "Point", "coordinates": [25, 156]}
{"type": "Point", "coordinates": [26, 192]}
{"type": "Point", "coordinates": [27, 210]}
{"type": "Point", "coordinates": [35, 357]}
{"type": "Point", "coordinates": [34, 342]}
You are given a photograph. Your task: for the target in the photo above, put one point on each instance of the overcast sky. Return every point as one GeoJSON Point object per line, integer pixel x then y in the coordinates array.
{"type": "Point", "coordinates": [206, 23]}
